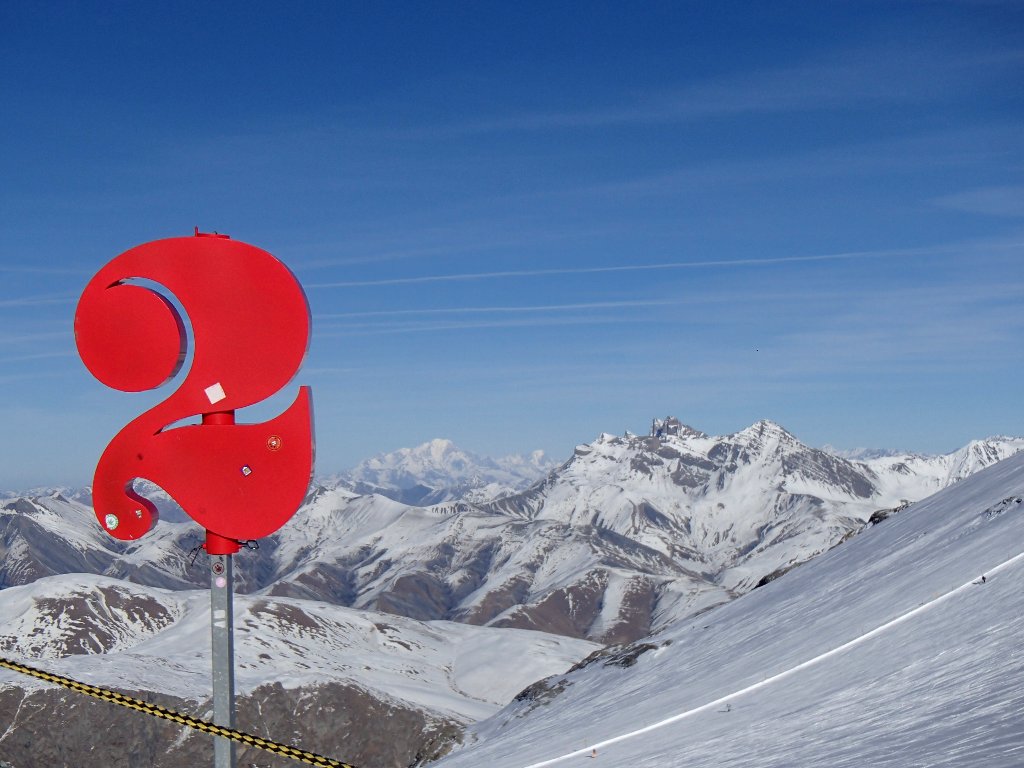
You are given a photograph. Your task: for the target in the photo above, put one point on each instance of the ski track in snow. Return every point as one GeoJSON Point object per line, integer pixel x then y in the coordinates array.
{"type": "Point", "coordinates": [728, 698]}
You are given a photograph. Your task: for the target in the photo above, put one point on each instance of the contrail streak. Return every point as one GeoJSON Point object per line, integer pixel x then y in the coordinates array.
{"type": "Point", "coordinates": [465, 276]}
{"type": "Point", "coordinates": [35, 301]}
{"type": "Point", "coordinates": [499, 310]}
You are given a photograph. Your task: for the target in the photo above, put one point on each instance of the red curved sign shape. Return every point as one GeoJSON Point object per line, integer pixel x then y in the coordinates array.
{"type": "Point", "coordinates": [250, 328]}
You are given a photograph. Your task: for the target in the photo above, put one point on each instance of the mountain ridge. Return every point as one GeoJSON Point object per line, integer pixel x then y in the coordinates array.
{"type": "Point", "coordinates": [645, 541]}
{"type": "Point", "coordinates": [628, 534]}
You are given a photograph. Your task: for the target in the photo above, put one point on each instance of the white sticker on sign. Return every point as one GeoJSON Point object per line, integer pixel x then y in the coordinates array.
{"type": "Point", "coordinates": [215, 393]}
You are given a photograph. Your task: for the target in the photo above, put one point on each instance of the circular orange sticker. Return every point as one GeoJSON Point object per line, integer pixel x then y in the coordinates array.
{"type": "Point", "coordinates": [274, 443]}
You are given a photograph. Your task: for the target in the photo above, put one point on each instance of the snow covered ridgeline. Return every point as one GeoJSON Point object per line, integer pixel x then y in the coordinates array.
{"type": "Point", "coordinates": [796, 675]}
{"type": "Point", "coordinates": [688, 519]}
{"type": "Point", "coordinates": [367, 685]}
{"type": "Point", "coordinates": [628, 535]}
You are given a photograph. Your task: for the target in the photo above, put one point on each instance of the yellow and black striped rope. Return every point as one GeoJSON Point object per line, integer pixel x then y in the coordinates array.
{"type": "Point", "coordinates": [310, 758]}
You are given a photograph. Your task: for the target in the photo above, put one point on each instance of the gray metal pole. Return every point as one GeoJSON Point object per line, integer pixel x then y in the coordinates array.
{"type": "Point", "coordinates": [222, 627]}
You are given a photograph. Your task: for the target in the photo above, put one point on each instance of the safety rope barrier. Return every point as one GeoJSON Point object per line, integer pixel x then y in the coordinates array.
{"type": "Point", "coordinates": [310, 758]}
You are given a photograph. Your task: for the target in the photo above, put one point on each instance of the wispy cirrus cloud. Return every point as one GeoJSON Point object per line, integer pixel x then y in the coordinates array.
{"type": "Point", "coordinates": [496, 309]}
{"type": "Point", "coordinates": [364, 329]}
{"type": "Point", "coordinates": [849, 79]}
{"type": "Point", "coordinates": [931, 251]}
{"type": "Point", "coordinates": [38, 301]}
{"type": "Point", "coordinates": [37, 356]}
{"type": "Point", "coordinates": [36, 269]}
{"type": "Point", "coordinates": [429, 320]}
{"type": "Point", "coordinates": [1004, 200]}
{"type": "Point", "coordinates": [33, 338]}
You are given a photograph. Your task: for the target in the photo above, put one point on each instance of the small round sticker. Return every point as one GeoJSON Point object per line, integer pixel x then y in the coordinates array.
{"type": "Point", "coordinates": [274, 443]}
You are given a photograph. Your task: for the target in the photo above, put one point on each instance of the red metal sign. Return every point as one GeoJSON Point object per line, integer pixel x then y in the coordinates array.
{"type": "Point", "coordinates": [250, 330]}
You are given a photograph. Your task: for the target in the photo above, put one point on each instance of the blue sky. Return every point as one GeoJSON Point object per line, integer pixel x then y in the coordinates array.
{"type": "Point", "coordinates": [522, 224]}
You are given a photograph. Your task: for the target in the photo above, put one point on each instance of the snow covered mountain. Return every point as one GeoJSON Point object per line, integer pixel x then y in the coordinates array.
{"type": "Point", "coordinates": [629, 535]}
{"type": "Point", "coordinates": [738, 507]}
{"type": "Point", "coordinates": [886, 651]}
{"type": "Point", "coordinates": [439, 471]}
{"type": "Point", "coordinates": [51, 535]}
{"type": "Point", "coordinates": [372, 688]}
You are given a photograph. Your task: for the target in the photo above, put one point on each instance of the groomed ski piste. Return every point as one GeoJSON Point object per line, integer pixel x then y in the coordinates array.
{"type": "Point", "coordinates": [886, 651]}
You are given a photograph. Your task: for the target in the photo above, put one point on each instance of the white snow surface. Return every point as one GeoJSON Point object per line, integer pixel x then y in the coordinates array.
{"type": "Point", "coordinates": [885, 651]}
{"type": "Point", "coordinates": [460, 671]}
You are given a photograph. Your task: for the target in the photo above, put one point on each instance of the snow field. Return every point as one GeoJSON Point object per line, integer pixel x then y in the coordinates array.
{"type": "Point", "coordinates": [462, 671]}
{"type": "Point", "coordinates": [882, 652]}
{"type": "Point", "coordinates": [728, 699]}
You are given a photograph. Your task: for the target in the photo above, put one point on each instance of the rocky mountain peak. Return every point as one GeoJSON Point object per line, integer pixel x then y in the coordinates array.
{"type": "Point", "coordinates": [673, 427]}
{"type": "Point", "coordinates": [766, 430]}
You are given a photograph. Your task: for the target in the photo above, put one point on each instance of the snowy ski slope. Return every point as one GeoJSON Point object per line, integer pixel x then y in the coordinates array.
{"type": "Point", "coordinates": [883, 652]}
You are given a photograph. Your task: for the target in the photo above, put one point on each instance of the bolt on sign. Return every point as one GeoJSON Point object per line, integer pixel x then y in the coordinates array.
{"type": "Point", "coordinates": [250, 328]}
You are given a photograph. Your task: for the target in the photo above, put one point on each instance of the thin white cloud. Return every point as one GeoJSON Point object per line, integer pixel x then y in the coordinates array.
{"type": "Point", "coordinates": [674, 265]}
{"type": "Point", "coordinates": [373, 329]}
{"type": "Point", "coordinates": [36, 356]}
{"type": "Point", "coordinates": [331, 371]}
{"type": "Point", "coordinates": [1006, 200]}
{"type": "Point", "coordinates": [866, 76]}
{"type": "Point", "coordinates": [903, 156]}
{"type": "Point", "coordinates": [458, 237]}
{"type": "Point", "coordinates": [32, 269]}
{"type": "Point", "coordinates": [36, 301]}
{"type": "Point", "coordinates": [37, 376]}
{"type": "Point", "coordinates": [32, 338]}
{"type": "Point", "coordinates": [496, 309]}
